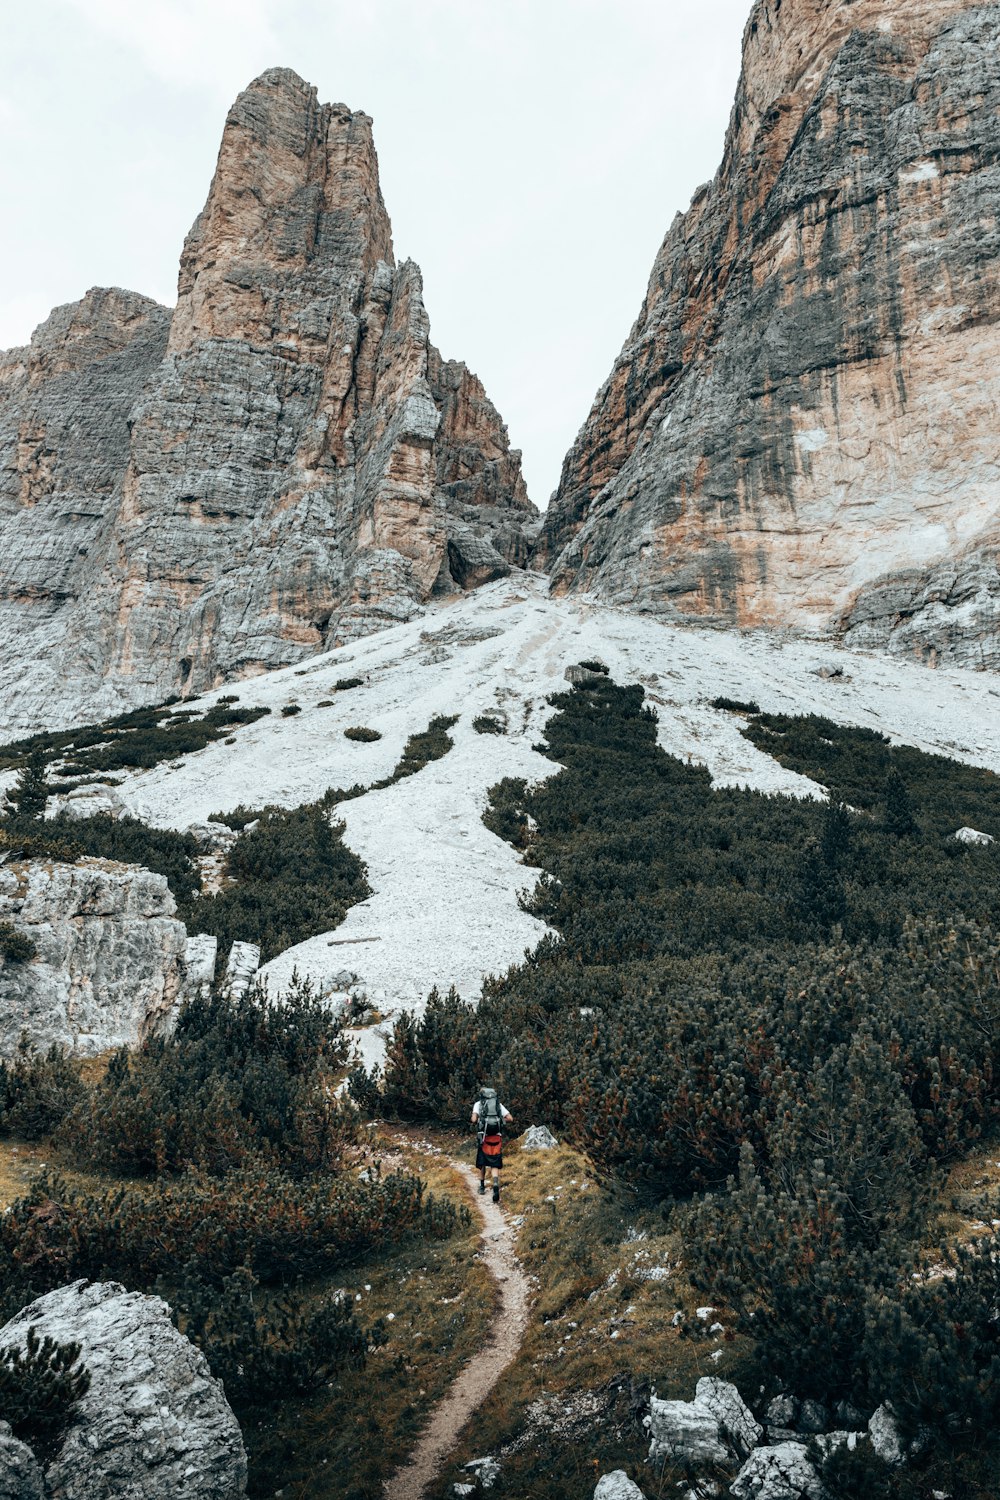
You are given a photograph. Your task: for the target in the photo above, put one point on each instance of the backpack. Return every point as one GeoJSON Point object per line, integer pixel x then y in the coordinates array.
{"type": "Point", "coordinates": [490, 1120]}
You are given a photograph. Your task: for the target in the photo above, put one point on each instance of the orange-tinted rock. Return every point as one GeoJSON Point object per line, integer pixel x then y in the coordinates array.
{"type": "Point", "coordinates": [281, 464]}
{"type": "Point", "coordinates": [807, 402]}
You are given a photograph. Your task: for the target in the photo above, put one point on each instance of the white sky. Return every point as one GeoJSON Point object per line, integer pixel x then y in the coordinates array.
{"type": "Point", "coordinates": [532, 154]}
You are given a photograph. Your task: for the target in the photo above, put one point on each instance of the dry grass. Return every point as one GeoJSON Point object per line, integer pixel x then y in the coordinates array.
{"type": "Point", "coordinates": [342, 1443]}
{"type": "Point", "coordinates": [601, 1334]}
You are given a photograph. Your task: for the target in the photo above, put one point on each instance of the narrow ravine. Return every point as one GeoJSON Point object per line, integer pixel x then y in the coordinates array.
{"type": "Point", "coordinates": [475, 1381]}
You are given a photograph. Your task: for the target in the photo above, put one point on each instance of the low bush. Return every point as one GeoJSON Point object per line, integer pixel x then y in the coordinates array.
{"type": "Point", "coordinates": [264, 1348]}
{"type": "Point", "coordinates": [344, 684]}
{"type": "Point", "coordinates": [282, 1228]}
{"type": "Point", "coordinates": [16, 947]}
{"type": "Point", "coordinates": [39, 1387]}
{"type": "Point", "coordinates": [294, 876]}
{"type": "Point", "coordinates": [290, 710]}
{"type": "Point", "coordinates": [596, 666]}
{"type": "Point", "coordinates": [488, 724]}
{"type": "Point", "coordinates": [37, 1091]}
{"type": "Point", "coordinates": [137, 740]}
{"type": "Point", "coordinates": [238, 1080]}
{"type": "Point", "coordinates": [736, 706]}
{"type": "Point", "coordinates": [359, 732]}
{"type": "Point", "coordinates": [132, 842]}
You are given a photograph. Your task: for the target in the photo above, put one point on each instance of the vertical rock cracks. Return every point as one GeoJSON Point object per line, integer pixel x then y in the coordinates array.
{"type": "Point", "coordinates": [281, 464]}
{"type": "Point", "coordinates": [801, 426]}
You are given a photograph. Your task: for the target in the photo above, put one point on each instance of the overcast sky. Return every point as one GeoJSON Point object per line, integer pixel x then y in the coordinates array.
{"type": "Point", "coordinates": [532, 153]}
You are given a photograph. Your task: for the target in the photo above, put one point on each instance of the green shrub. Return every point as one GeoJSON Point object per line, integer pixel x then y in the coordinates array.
{"type": "Point", "coordinates": [16, 947]}
{"type": "Point", "coordinates": [238, 1080]}
{"type": "Point", "coordinates": [736, 706]}
{"type": "Point", "coordinates": [290, 709]}
{"type": "Point", "coordinates": [359, 732]}
{"type": "Point", "coordinates": [487, 724]}
{"type": "Point", "coordinates": [429, 744]}
{"type": "Point", "coordinates": [282, 1228]}
{"type": "Point", "coordinates": [37, 1091]}
{"type": "Point", "coordinates": [132, 842]}
{"type": "Point", "coordinates": [263, 1349]}
{"type": "Point", "coordinates": [137, 740]}
{"type": "Point", "coordinates": [229, 698]}
{"type": "Point", "coordinates": [325, 703]}
{"type": "Point", "coordinates": [39, 1388]}
{"type": "Point", "coordinates": [595, 666]}
{"type": "Point", "coordinates": [344, 684]}
{"type": "Point", "coordinates": [294, 876]}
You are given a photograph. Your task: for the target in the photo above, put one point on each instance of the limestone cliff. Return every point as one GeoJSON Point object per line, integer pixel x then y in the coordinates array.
{"type": "Point", "coordinates": [802, 426]}
{"type": "Point", "coordinates": [282, 463]}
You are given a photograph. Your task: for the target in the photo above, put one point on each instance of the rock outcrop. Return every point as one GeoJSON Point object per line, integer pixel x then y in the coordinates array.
{"type": "Point", "coordinates": [281, 464]}
{"type": "Point", "coordinates": [109, 965]}
{"type": "Point", "coordinates": [801, 427]}
{"type": "Point", "coordinates": [155, 1422]}
{"type": "Point", "coordinates": [21, 1476]}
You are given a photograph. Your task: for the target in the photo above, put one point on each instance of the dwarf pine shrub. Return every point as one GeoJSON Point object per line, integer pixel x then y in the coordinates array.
{"type": "Point", "coordinates": [39, 1387]}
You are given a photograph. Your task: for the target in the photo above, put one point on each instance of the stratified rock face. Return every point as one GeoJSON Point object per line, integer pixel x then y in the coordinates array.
{"type": "Point", "coordinates": [110, 955]}
{"type": "Point", "coordinates": [801, 428]}
{"type": "Point", "coordinates": [155, 1421]}
{"type": "Point", "coordinates": [283, 463]}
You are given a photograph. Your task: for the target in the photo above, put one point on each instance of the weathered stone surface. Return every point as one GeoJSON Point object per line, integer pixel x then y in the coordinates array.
{"type": "Point", "coordinates": [21, 1476]}
{"type": "Point", "coordinates": [780, 1473]}
{"type": "Point", "coordinates": [973, 836]}
{"type": "Point", "coordinates": [538, 1138]}
{"type": "Point", "coordinates": [241, 966]}
{"type": "Point", "coordinates": [87, 802]}
{"type": "Point", "coordinates": [801, 428]}
{"type": "Point", "coordinates": [215, 838]}
{"type": "Point", "coordinates": [713, 1428]}
{"type": "Point", "coordinates": [283, 463]}
{"type": "Point", "coordinates": [200, 957]}
{"type": "Point", "coordinates": [109, 967]}
{"type": "Point", "coordinates": [617, 1486]}
{"type": "Point", "coordinates": [155, 1422]}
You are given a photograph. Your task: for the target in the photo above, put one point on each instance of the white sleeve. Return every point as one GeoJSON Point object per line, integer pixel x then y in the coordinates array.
{"type": "Point", "coordinates": [475, 1110]}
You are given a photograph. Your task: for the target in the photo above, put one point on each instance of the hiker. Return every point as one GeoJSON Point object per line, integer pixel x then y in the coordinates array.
{"type": "Point", "coordinates": [488, 1116]}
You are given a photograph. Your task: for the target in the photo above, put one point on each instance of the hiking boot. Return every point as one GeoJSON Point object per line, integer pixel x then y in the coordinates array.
{"type": "Point", "coordinates": [496, 1195]}
{"type": "Point", "coordinates": [482, 1187]}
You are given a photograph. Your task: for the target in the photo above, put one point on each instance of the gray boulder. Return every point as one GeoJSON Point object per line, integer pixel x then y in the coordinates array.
{"type": "Point", "coordinates": [155, 1422]}
{"type": "Point", "coordinates": [973, 836]}
{"type": "Point", "coordinates": [887, 1438]}
{"type": "Point", "coordinates": [87, 802]}
{"type": "Point", "coordinates": [241, 966]}
{"type": "Point", "coordinates": [538, 1138]}
{"type": "Point", "coordinates": [109, 962]}
{"type": "Point", "coordinates": [780, 1473]}
{"type": "Point", "coordinates": [617, 1486]}
{"type": "Point", "coordinates": [200, 957]}
{"type": "Point", "coordinates": [583, 676]}
{"type": "Point", "coordinates": [213, 838]}
{"type": "Point", "coordinates": [714, 1428]}
{"type": "Point", "coordinates": [20, 1472]}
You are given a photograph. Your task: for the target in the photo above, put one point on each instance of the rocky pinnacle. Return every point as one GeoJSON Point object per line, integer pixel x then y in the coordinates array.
{"type": "Point", "coordinates": [801, 427]}
{"type": "Point", "coordinates": [282, 463]}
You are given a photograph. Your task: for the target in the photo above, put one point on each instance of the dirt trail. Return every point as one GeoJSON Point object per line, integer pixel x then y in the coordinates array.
{"type": "Point", "coordinates": [474, 1383]}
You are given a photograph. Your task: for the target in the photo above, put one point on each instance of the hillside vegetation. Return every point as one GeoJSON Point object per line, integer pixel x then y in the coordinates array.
{"type": "Point", "coordinates": [777, 1019]}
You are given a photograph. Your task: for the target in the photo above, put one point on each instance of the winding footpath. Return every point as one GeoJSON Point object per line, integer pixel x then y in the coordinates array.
{"type": "Point", "coordinates": [475, 1381]}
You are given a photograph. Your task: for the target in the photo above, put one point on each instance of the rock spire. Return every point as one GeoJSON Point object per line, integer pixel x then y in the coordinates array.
{"type": "Point", "coordinates": [282, 463]}
{"type": "Point", "coordinates": [801, 427]}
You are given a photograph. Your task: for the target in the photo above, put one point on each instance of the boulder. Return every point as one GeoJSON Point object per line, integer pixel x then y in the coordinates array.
{"type": "Point", "coordinates": [155, 1422]}
{"type": "Point", "coordinates": [200, 957]}
{"type": "Point", "coordinates": [973, 836]}
{"type": "Point", "coordinates": [87, 802]}
{"type": "Point", "coordinates": [584, 676]}
{"type": "Point", "coordinates": [109, 965]}
{"type": "Point", "coordinates": [21, 1475]}
{"type": "Point", "coordinates": [617, 1486]}
{"type": "Point", "coordinates": [213, 838]}
{"type": "Point", "coordinates": [714, 1428]}
{"type": "Point", "coordinates": [780, 1473]}
{"type": "Point", "coordinates": [241, 966]}
{"type": "Point", "coordinates": [887, 1439]}
{"type": "Point", "coordinates": [538, 1138]}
